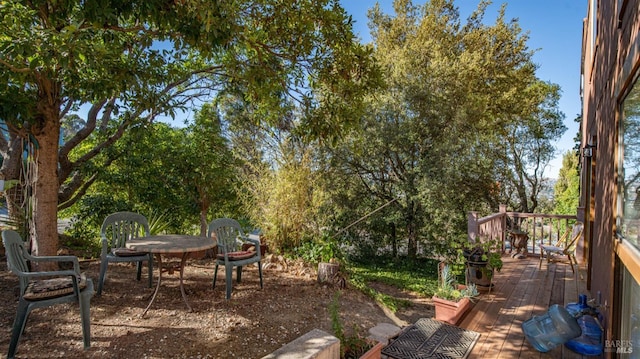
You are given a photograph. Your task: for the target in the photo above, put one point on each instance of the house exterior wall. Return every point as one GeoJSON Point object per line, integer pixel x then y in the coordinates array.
{"type": "Point", "coordinates": [610, 58]}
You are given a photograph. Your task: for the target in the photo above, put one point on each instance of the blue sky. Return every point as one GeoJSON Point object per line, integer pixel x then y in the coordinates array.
{"type": "Point", "coordinates": [555, 32]}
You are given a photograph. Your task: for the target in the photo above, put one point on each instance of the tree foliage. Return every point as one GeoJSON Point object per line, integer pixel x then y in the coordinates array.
{"type": "Point", "coordinates": [529, 149]}
{"type": "Point", "coordinates": [183, 176]}
{"type": "Point", "coordinates": [127, 62]}
{"type": "Point", "coordinates": [461, 102]}
{"type": "Point", "coordinates": [279, 183]}
{"type": "Point", "coordinates": [567, 188]}
{"type": "Point", "coordinates": [285, 201]}
{"type": "Point", "coordinates": [207, 168]}
{"type": "Point", "coordinates": [300, 128]}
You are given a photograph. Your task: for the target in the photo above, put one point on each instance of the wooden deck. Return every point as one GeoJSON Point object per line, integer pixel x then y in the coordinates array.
{"type": "Point", "coordinates": [521, 290]}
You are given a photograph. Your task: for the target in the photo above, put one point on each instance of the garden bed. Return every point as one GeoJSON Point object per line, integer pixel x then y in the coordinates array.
{"type": "Point", "coordinates": [252, 324]}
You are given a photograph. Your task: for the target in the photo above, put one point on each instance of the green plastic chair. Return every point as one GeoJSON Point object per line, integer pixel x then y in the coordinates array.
{"type": "Point", "coordinates": [116, 229]}
{"type": "Point", "coordinates": [61, 286]}
{"type": "Point", "coordinates": [230, 238]}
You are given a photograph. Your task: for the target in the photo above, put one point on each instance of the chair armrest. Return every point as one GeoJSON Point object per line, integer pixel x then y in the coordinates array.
{"type": "Point", "coordinates": [72, 259]}
{"type": "Point", "coordinates": [61, 273]}
{"type": "Point", "coordinates": [255, 242]}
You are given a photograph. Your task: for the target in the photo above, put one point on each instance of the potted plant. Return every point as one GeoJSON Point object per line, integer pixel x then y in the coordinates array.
{"type": "Point", "coordinates": [482, 259]}
{"type": "Point", "coordinates": [451, 300]}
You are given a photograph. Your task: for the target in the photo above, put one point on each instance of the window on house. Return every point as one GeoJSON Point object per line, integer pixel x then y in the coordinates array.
{"type": "Point", "coordinates": [629, 167]}
{"type": "Point", "coordinates": [630, 316]}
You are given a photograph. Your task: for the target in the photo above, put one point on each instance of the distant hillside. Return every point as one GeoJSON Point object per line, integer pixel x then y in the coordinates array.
{"type": "Point", "coordinates": [548, 190]}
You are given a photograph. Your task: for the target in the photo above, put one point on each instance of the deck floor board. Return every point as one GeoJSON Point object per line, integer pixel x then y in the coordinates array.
{"type": "Point", "coordinates": [521, 290]}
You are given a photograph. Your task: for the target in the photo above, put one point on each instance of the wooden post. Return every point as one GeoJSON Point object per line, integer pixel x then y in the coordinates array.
{"type": "Point", "coordinates": [503, 223]}
{"type": "Point", "coordinates": [582, 246]}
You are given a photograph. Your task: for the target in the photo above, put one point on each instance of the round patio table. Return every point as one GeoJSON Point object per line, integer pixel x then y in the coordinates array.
{"type": "Point", "coordinates": [170, 244]}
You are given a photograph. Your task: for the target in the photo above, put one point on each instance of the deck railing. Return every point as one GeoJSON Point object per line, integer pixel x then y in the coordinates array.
{"type": "Point", "coordinates": [541, 228]}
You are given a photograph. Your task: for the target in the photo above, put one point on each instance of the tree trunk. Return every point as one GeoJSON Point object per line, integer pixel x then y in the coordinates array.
{"type": "Point", "coordinates": [44, 231]}
{"type": "Point", "coordinates": [204, 225]}
{"type": "Point", "coordinates": [394, 240]}
{"type": "Point", "coordinates": [412, 247]}
{"type": "Point", "coordinates": [204, 229]}
{"type": "Point", "coordinates": [412, 228]}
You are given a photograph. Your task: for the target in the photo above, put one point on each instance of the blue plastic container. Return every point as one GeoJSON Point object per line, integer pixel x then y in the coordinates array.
{"type": "Point", "coordinates": [590, 341]}
{"type": "Point", "coordinates": [576, 309]}
{"type": "Point", "coordinates": [554, 328]}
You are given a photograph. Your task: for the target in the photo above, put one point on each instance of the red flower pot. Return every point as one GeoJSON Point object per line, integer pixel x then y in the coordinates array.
{"type": "Point", "coordinates": [450, 312]}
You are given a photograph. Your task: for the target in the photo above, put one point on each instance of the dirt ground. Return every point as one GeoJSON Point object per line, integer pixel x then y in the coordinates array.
{"type": "Point", "coordinates": [251, 325]}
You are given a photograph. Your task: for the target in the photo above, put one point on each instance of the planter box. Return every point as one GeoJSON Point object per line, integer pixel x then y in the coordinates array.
{"type": "Point", "coordinates": [374, 353]}
{"type": "Point", "coordinates": [450, 312]}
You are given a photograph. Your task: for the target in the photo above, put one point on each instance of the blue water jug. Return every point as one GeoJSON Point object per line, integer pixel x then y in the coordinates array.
{"type": "Point", "coordinates": [554, 328]}
{"type": "Point", "coordinates": [576, 309]}
{"type": "Point", "coordinates": [590, 341]}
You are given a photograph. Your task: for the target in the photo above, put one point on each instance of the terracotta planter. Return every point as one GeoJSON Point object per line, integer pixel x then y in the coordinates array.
{"type": "Point", "coordinates": [374, 353]}
{"type": "Point", "coordinates": [450, 312]}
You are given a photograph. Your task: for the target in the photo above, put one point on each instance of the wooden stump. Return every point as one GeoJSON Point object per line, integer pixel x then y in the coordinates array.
{"type": "Point", "coordinates": [327, 272]}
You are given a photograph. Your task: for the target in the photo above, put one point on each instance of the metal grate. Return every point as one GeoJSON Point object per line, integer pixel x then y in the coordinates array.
{"type": "Point", "coordinates": [429, 338]}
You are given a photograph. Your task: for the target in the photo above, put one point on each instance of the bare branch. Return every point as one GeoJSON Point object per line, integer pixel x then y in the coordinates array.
{"type": "Point", "coordinates": [106, 115]}
{"type": "Point", "coordinates": [67, 107]}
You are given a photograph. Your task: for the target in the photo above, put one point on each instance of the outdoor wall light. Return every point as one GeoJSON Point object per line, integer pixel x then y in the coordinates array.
{"type": "Point", "coordinates": [587, 151]}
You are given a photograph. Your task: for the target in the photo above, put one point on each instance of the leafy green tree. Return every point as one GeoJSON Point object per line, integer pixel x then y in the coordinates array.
{"type": "Point", "coordinates": [177, 174]}
{"type": "Point", "coordinates": [434, 136]}
{"type": "Point", "coordinates": [127, 62]}
{"type": "Point", "coordinates": [140, 177]}
{"type": "Point", "coordinates": [529, 147]}
{"type": "Point", "coordinates": [207, 167]}
{"type": "Point", "coordinates": [567, 188]}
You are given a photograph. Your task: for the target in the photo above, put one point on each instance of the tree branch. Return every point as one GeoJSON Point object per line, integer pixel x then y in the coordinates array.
{"type": "Point", "coordinates": [23, 70]}
{"type": "Point", "coordinates": [76, 194]}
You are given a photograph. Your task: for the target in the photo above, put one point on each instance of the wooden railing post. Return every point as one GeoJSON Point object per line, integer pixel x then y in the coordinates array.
{"type": "Point", "coordinates": [494, 227]}
{"type": "Point", "coordinates": [472, 226]}
{"type": "Point", "coordinates": [503, 210]}
{"type": "Point", "coordinates": [582, 247]}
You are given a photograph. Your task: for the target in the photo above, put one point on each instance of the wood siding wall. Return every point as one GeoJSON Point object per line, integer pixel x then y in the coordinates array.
{"type": "Point", "coordinates": [608, 70]}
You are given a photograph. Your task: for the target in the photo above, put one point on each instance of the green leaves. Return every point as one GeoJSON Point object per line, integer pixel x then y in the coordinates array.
{"type": "Point", "coordinates": [436, 135]}
{"type": "Point", "coordinates": [567, 188]}
{"type": "Point", "coordinates": [131, 61]}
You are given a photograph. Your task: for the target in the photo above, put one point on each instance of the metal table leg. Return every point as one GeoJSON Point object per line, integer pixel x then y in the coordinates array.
{"type": "Point", "coordinates": [155, 292]}
{"type": "Point", "coordinates": [184, 295]}
{"type": "Point", "coordinates": [183, 261]}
